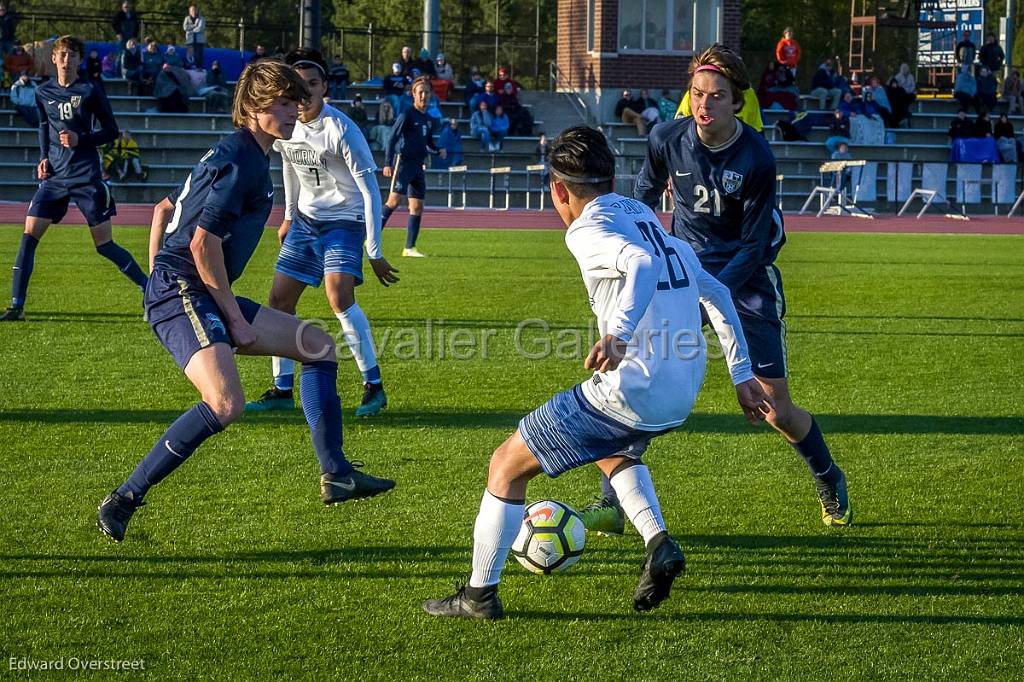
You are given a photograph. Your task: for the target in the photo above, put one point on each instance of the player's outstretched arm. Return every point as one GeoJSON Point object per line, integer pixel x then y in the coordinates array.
{"type": "Point", "coordinates": [208, 253]}
{"type": "Point", "coordinates": [162, 213]}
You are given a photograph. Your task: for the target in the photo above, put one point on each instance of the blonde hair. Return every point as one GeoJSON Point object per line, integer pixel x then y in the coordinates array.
{"type": "Point", "coordinates": [71, 44]}
{"type": "Point", "coordinates": [727, 63]}
{"type": "Point", "coordinates": [260, 84]}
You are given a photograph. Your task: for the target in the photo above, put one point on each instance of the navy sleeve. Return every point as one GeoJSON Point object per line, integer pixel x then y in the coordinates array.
{"type": "Point", "coordinates": [224, 200]}
{"type": "Point", "coordinates": [758, 228]}
{"type": "Point", "coordinates": [44, 129]}
{"type": "Point", "coordinates": [108, 132]}
{"type": "Point", "coordinates": [431, 147]}
{"type": "Point", "coordinates": [396, 134]}
{"type": "Point", "coordinates": [653, 176]}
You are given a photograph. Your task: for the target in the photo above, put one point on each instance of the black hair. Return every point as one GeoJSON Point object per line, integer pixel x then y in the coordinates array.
{"type": "Point", "coordinates": [582, 152]}
{"type": "Point", "coordinates": [304, 57]}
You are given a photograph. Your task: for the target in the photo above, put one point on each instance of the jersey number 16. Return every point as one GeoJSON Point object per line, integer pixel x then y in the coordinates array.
{"type": "Point", "coordinates": [652, 235]}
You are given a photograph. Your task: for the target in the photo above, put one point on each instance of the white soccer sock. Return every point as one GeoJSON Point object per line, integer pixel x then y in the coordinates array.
{"type": "Point", "coordinates": [284, 372]}
{"type": "Point", "coordinates": [496, 528]}
{"type": "Point", "coordinates": [357, 336]}
{"type": "Point", "coordinates": [636, 494]}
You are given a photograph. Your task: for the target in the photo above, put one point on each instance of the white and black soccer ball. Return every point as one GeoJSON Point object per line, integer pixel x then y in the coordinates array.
{"type": "Point", "coordinates": [551, 538]}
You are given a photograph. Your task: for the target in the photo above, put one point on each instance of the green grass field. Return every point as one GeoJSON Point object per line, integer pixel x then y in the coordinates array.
{"type": "Point", "coordinates": [907, 348]}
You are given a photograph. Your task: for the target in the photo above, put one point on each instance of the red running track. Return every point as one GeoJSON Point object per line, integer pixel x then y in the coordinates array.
{"type": "Point", "coordinates": [520, 219]}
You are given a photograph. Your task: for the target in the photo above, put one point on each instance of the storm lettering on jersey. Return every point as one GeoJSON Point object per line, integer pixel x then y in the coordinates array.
{"type": "Point", "coordinates": [304, 156]}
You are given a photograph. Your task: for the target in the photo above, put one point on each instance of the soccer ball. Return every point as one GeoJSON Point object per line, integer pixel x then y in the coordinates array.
{"type": "Point", "coordinates": [551, 538]}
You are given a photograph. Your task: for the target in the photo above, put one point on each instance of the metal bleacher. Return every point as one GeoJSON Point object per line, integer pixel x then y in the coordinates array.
{"type": "Point", "coordinates": [172, 143]}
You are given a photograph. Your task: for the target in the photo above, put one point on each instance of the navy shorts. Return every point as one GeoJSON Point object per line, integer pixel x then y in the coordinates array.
{"type": "Point", "coordinates": [184, 316]}
{"type": "Point", "coordinates": [314, 247]}
{"type": "Point", "coordinates": [761, 305]}
{"type": "Point", "coordinates": [93, 199]}
{"type": "Point", "coordinates": [567, 432]}
{"type": "Point", "coordinates": [412, 180]}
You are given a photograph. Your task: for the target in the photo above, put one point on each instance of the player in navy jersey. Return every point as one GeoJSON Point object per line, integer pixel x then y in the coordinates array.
{"type": "Point", "coordinates": [211, 226]}
{"type": "Point", "coordinates": [69, 168]}
{"type": "Point", "coordinates": [723, 184]}
{"type": "Point", "coordinates": [413, 137]}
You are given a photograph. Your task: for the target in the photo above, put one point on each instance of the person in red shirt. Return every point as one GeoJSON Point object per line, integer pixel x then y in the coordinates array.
{"type": "Point", "coordinates": [505, 77]}
{"type": "Point", "coordinates": [787, 51]}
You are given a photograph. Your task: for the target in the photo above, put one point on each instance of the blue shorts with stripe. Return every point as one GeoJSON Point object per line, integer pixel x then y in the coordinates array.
{"type": "Point", "coordinates": [93, 199]}
{"type": "Point", "coordinates": [567, 432]}
{"type": "Point", "coordinates": [411, 180]}
{"type": "Point", "coordinates": [184, 316]}
{"type": "Point", "coordinates": [314, 247]}
{"type": "Point", "coordinates": [761, 305]}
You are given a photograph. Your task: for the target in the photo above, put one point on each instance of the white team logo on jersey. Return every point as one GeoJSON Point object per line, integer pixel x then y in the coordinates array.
{"type": "Point", "coordinates": [76, 101]}
{"type": "Point", "coordinates": [731, 181]}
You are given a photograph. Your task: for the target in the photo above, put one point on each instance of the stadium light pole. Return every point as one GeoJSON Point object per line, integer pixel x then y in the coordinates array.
{"type": "Point", "coordinates": [431, 25]}
{"type": "Point", "coordinates": [309, 24]}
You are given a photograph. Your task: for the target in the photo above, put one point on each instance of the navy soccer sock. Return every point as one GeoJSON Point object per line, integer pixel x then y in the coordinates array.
{"type": "Point", "coordinates": [815, 452]}
{"type": "Point", "coordinates": [318, 389]}
{"type": "Point", "coordinates": [23, 265]}
{"type": "Point", "coordinates": [607, 491]}
{"type": "Point", "coordinates": [179, 441]}
{"type": "Point", "coordinates": [412, 230]}
{"type": "Point", "coordinates": [124, 262]}
{"type": "Point", "coordinates": [386, 215]}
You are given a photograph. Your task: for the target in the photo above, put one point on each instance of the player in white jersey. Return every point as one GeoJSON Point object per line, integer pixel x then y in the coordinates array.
{"type": "Point", "coordinates": [645, 288]}
{"type": "Point", "coordinates": [332, 205]}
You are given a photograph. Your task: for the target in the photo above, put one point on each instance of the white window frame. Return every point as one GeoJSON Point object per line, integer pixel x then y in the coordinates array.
{"type": "Point", "coordinates": [699, 8]}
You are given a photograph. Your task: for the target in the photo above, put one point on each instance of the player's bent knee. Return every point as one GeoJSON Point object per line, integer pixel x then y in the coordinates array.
{"type": "Point", "coordinates": [226, 406]}
{"type": "Point", "coordinates": [315, 344]}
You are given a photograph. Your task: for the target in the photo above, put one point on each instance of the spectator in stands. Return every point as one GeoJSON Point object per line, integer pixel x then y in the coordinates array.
{"type": "Point", "coordinates": [259, 53]}
{"type": "Point", "coordinates": [541, 151]}
{"type": "Point", "coordinates": [8, 30]}
{"type": "Point", "coordinates": [966, 50]}
{"type": "Point", "coordinates": [444, 71]}
{"type": "Point", "coordinates": [190, 62]}
{"type": "Point", "coordinates": [425, 64]}
{"type": "Point", "coordinates": [961, 127]}
{"type": "Point", "coordinates": [215, 89]}
{"type": "Point", "coordinates": [17, 62]}
{"type": "Point", "coordinates": [110, 64]}
{"type": "Point", "coordinates": [450, 140]}
{"type": "Point", "coordinates": [520, 118]}
{"type": "Point", "coordinates": [1006, 141]}
{"type": "Point", "coordinates": [983, 125]}
{"type": "Point", "coordinates": [843, 177]}
{"type": "Point", "coordinates": [405, 102]}
{"type": "Point", "coordinates": [380, 133]}
{"type": "Point", "coordinates": [787, 51]}
{"type": "Point", "coordinates": [172, 57]}
{"type": "Point", "coordinates": [988, 89]}
{"type": "Point", "coordinates": [965, 89]}
{"type": "Point", "coordinates": [880, 98]}
{"type": "Point", "coordinates": [126, 24]}
{"type": "Point", "coordinates": [394, 85]}
{"type": "Point", "coordinates": [785, 81]}
{"type": "Point", "coordinates": [823, 85]}
{"type": "Point", "coordinates": [650, 109]}
{"type": "Point", "coordinates": [23, 97]}
{"type": "Point", "coordinates": [480, 126]}
{"type": "Point", "coordinates": [474, 87]}
{"type": "Point", "coordinates": [406, 62]}
{"type": "Point", "coordinates": [505, 76]}
{"type": "Point", "coordinates": [1012, 92]}
{"type": "Point", "coordinates": [172, 90]}
{"type": "Point", "coordinates": [487, 96]}
{"type": "Point", "coordinates": [131, 65]}
{"type": "Point", "coordinates": [499, 128]}
{"type": "Point", "coordinates": [434, 109]}
{"type": "Point", "coordinates": [902, 92]}
{"type": "Point", "coordinates": [628, 109]}
{"type": "Point", "coordinates": [94, 66]}
{"type": "Point", "coordinates": [152, 65]}
{"type": "Point", "coordinates": [339, 79]}
{"type": "Point", "coordinates": [666, 106]}
{"type": "Point", "coordinates": [991, 54]}
{"type": "Point", "coordinates": [126, 157]}
{"type": "Point", "coordinates": [870, 106]}
{"type": "Point", "coordinates": [357, 112]}
{"type": "Point", "coordinates": [839, 131]}
{"type": "Point", "coordinates": [849, 106]}
{"type": "Point", "coordinates": [194, 26]}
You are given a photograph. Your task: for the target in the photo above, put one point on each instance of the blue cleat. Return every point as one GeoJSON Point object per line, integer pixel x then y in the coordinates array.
{"type": "Point", "coordinates": [374, 400]}
{"type": "Point", "coordinates": [274, 399]}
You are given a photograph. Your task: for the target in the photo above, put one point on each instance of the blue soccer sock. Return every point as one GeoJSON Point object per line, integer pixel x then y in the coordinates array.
{"type": "Point", "coordinates": [318, 389]}
{"type": "Point", "coordinates": [412, 230]}
{"type": "Point", "coordinates": [607, 490]}
{"type": "Point", "coordinates": [815, 452]}
{"type": "Point", "coordinates": [23, 265]}
{"type": "Point", "coordinates": [386, 214]}
{"type": "Point", "coordinates": [176, 445]}
{"type": "Point", "coordinates": [124, 262]}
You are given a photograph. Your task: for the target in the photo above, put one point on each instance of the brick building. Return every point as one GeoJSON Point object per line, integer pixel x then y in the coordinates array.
{"type": "Point", "coordinates": [607, 45]}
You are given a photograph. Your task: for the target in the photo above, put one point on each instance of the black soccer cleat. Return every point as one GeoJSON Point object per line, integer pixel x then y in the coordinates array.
{"type": "Point", "coordinates": [461, 605]}
{"type": "Point", "coordinates": [664, 562]}
{"type": "Point", "coordinates": [374, 400]}
{"type": "Point", "coordinates": [335, 489]}
{"type": "Point", "coordinates": [115, 511]}
{"type": "Point", "coordinates": [13, 314]}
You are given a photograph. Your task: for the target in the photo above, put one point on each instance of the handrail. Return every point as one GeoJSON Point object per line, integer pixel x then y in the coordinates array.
{"type": "Point", "coordinates": [560, 83]}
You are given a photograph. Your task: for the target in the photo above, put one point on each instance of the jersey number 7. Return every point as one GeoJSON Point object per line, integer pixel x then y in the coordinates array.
{"type": "Point", "coordinates": [652, 235]}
